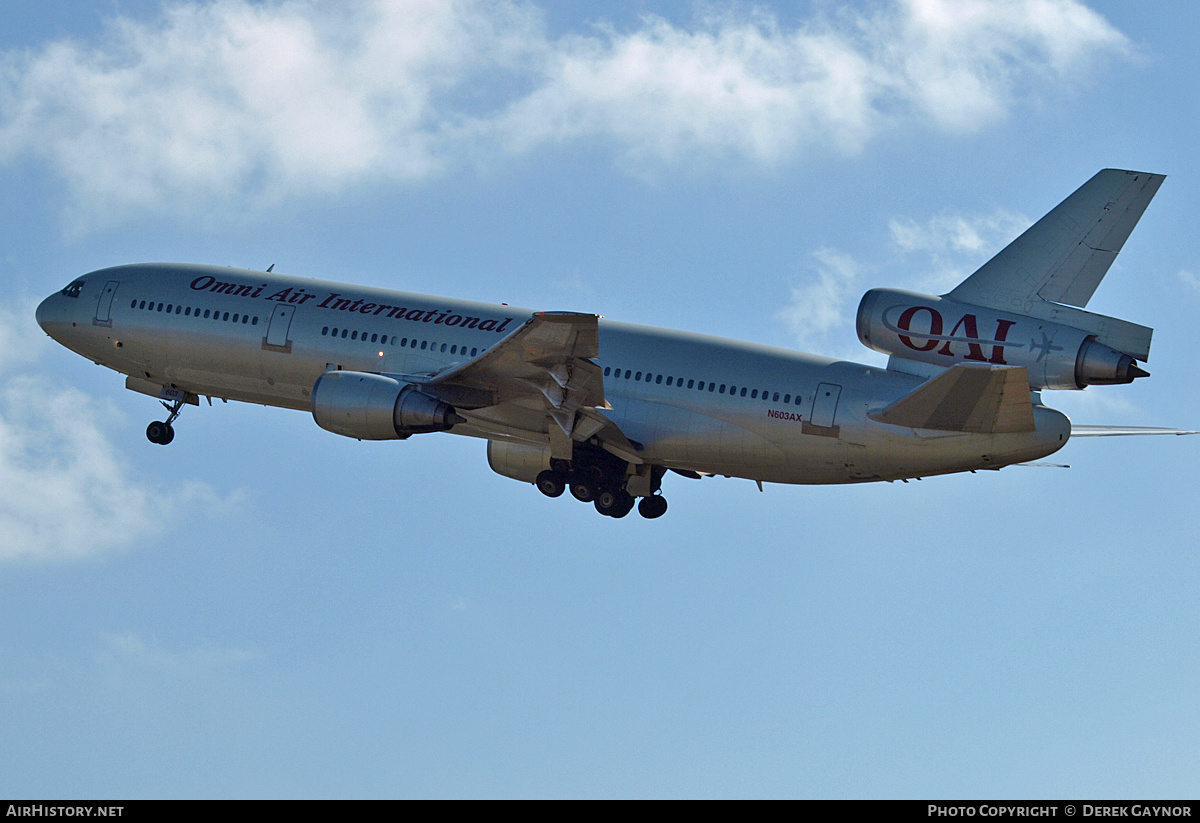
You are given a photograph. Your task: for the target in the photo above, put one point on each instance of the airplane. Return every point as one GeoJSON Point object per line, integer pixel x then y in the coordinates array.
{"type": "Point", "coordinates": [569, 401]}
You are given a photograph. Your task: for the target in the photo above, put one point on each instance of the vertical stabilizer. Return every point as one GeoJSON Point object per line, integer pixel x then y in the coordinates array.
{"type": "Point", "coordinates": [1063, 257]}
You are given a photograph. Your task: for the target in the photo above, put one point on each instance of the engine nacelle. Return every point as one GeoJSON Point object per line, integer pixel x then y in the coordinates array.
{"type": "Point", "coordinates": [517, 460]}
{"type": "Point", "coordinates": [376, 407]}
{"type": "Point", "coordinates": [943, 332]}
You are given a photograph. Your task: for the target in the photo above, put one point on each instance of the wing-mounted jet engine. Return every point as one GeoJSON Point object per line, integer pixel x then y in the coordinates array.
{"type": "Point", "coordinates": [369, 406]}
{"type": "Point", "coordinates": [1024, 306]}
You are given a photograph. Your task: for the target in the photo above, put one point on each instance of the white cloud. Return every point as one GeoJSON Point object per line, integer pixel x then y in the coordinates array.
{"type": "Point", "coordinates": [955, 244]}
{"type": "Point", "coordinates": [130, 650]}
{"type": "Point", "coordinates": [21, 341]}
{"type": "Point", "coordinates": [1190, 280]}
{"type": "Point", "coordinates": [818, 308]}
{"type": "Point", "coordinates": [962, 62]}
{"type": "Point", "coordinates": [973, 235]}
{"type": "Point", "coordinates": [250, 103]}
{"type": "Point", "coordinates": [65, 492]}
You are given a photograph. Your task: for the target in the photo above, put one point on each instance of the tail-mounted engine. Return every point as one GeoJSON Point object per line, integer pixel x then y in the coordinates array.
{"type": "Point", "coordinates": [376, 407]}
{"type": "Point", "coordinates": [943, 332]}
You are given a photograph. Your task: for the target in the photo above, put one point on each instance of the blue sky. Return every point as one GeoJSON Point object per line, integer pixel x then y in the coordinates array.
{"type": "Point", "coordinates": [265, 609]}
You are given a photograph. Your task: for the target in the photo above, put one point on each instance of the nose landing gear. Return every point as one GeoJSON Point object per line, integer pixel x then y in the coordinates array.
{"type": "Point", "coordinates": [163, 433]}
{"type": "Point", "coordinates": [160, 433]}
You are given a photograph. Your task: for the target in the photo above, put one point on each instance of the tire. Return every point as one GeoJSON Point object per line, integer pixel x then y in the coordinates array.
{"type": "Point", "coordinates": [550, 483]}
{"type": "Point", "coordinates": [156, 433]}
{"type": "Point", "coordinates": [616, 503]}
{"type": "Point", "coordinates": [582, 489]}
{"type": "Point", "coordinates": [652, 507]}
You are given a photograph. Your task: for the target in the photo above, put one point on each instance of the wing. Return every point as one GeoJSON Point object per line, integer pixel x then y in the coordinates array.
{"type": "Point", "coordinates": [538, 382]}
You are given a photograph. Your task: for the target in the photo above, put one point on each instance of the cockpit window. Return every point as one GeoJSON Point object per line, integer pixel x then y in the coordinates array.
{"type": "Point", "coordinates": [74, 289]}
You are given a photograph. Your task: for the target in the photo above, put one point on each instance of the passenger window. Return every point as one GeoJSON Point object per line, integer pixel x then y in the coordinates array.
{"type": "Point", "coordinates": [775, 399]}
{"type": "Point", "coordinates": [743, 391]}
{"type": "Point", "coordinates": [206, 314]}
{"type": "Point", "coordinates": [797, 400]}
{"type": "Point", "coordinates": [443, 347]}
{"type": "Point", "coordinates": [178, 309]}
{"type": "Point", "coordinates": [722, 388]}
{"type": "Point", "coordinates": [787, 398]}
{"type": "Point", "coordinates": [187, 312]}
{"type": "Point", "coordinates": [254, 320]}
{"type": "Point", "coordinates": [691, 383]}
{"type": "Point", "coordinates": [142, 305]}
{"type": "Point", "coordinates": [712, 386]}
{"type": "Point", "coordinates": [627, 373]}
{"type": "Point", "coordinates": [424, 343]}
{"type": "Point", "coordinates": [354, 335]}
{"type": "Point", "coordinates": [168, 308]}
{"type": "Point", "coordinates": [345, 333]}
{"type": "Point", "coordinates": [669, 379]}
{"type": "Point", "coordinates": [754, 394]}
{"type": "Point", "coordinates": [473, 352]}
{"type": "Point", "coordinates": [235, 318]}
{"type": "Point", "coordinates": [324, 331]}
{"type": "Point", "coordinates": [607, 369]}
{"type": "Point", "coordinates": [374, 336]}
{"type": "Point", "coordinates": [133, 305]}
{"type": "Point", "coordinates": [658, 378]}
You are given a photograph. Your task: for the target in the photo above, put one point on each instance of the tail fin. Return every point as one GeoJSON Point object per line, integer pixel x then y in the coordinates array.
{"type": "Point", "coordinates": [1063, 257]}
{"type": "Point", "coordinates": [1023, 307]}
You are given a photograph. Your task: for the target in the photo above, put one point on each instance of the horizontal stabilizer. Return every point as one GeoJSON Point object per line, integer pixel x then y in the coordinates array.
{"type": "Point", "coordinates": [1063, 257]}
{"type": "Point", "coordinates": [967, 398]}
{"type": "Point", "coordinates": [1123, 431]}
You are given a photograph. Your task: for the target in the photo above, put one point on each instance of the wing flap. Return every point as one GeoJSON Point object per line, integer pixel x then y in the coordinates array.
{"type": "Point", "coordinates": [967, 398]}
{"type": "Point", "coordinates": [541, 379]}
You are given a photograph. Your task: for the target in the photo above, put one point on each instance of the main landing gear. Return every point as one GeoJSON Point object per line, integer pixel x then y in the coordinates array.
{"type": "Point", "coordinates": [599, 479]}
{"type": "Point", "coordinates": [163, 433]}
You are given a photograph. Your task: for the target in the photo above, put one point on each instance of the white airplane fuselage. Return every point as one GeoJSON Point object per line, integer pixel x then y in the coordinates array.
{"type": "Point", "coordinates": [690, 402]}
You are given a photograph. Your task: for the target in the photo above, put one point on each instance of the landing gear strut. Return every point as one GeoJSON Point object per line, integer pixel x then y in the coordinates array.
{"type": "Point", "coordinates": [599, 478]}
{"type": "Point", "coordinates": [163, 433]}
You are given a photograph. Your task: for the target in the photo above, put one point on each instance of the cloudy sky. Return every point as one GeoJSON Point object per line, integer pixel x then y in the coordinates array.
{"type": "Point", "coordinates": [265, 609]}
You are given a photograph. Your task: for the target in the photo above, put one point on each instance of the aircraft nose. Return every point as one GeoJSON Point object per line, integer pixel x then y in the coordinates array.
{"type": "Point", "coordinates": [51, 314]}
{"type": "Point", "coordinates": [43, 313]}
